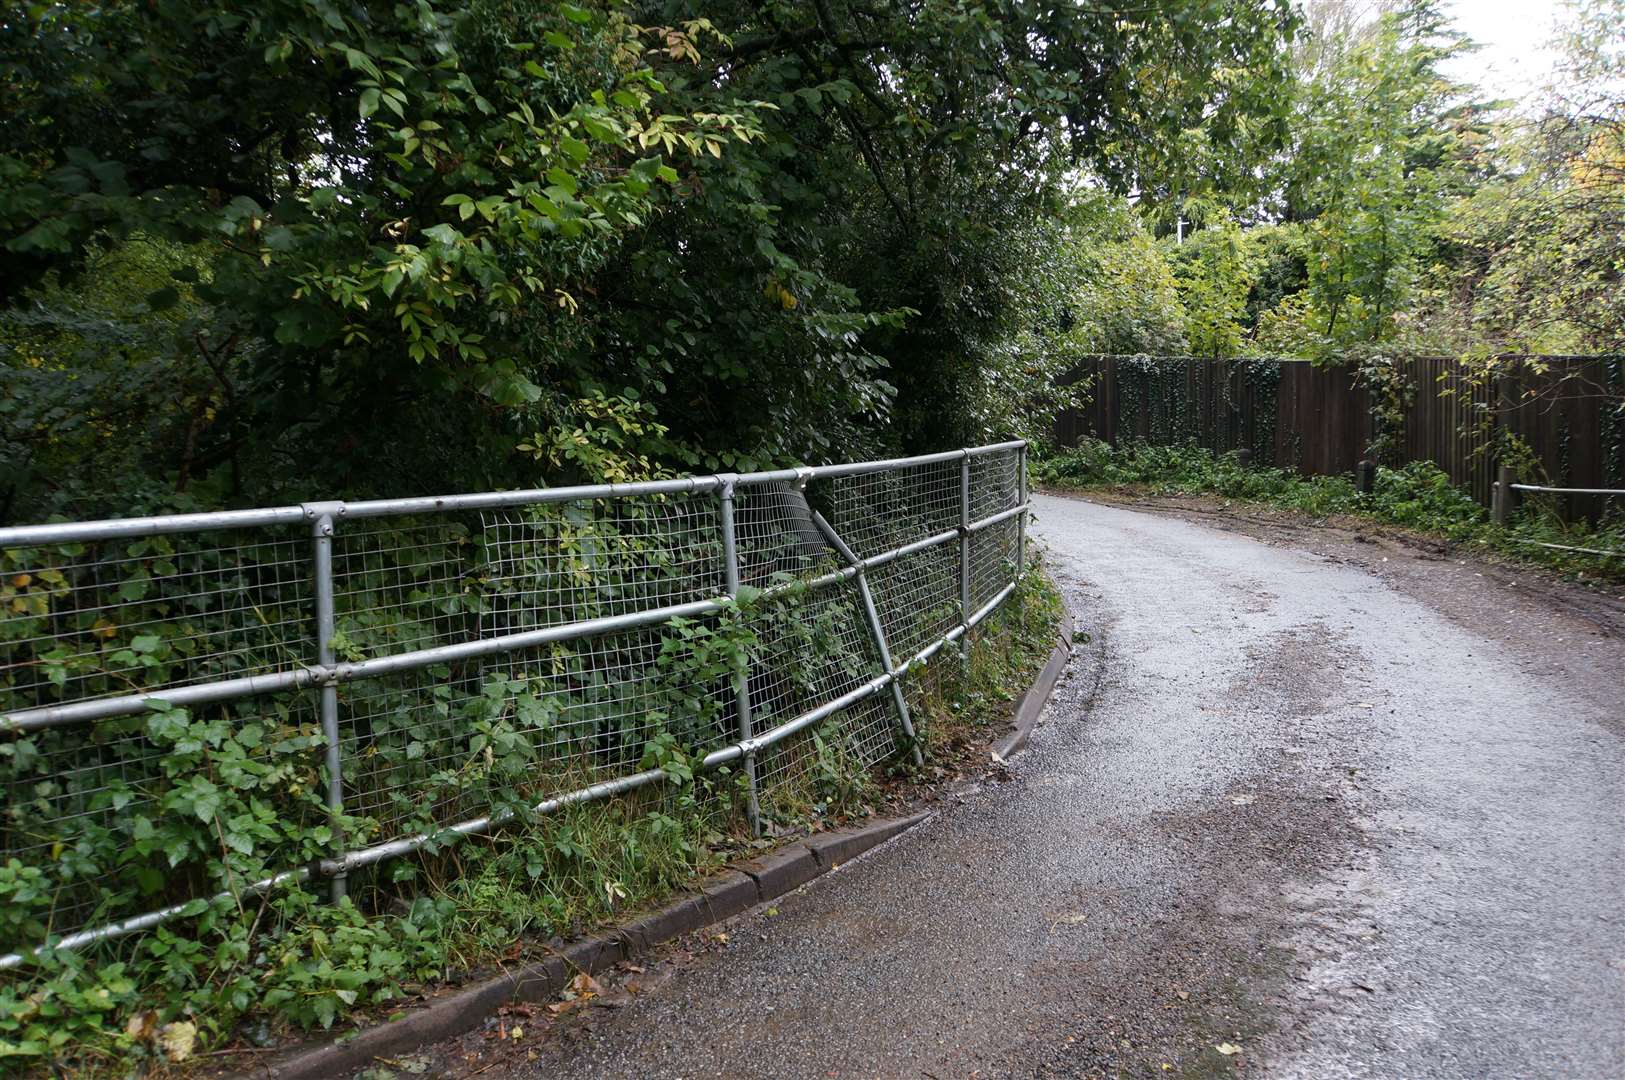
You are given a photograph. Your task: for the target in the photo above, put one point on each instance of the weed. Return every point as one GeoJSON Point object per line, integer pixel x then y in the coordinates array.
{"type": "Point", "coordinates": [1418, 495]}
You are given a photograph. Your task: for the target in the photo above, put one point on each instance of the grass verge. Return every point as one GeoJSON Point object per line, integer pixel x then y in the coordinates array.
{"type": "Point", "coordinates": [1417, 497]}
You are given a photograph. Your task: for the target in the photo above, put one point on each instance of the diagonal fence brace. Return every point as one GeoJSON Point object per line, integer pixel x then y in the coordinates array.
{"type": "Point", "coordinates": [875, 629]}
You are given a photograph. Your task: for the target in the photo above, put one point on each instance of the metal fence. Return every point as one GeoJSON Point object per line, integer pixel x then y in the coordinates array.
{"type": "Point", "coordinates": [1506, 492]}
{"type": "Point", "coordinates": [422, 653]}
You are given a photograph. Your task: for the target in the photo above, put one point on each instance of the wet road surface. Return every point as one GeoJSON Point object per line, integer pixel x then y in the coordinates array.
{"type": "Point", "coordinates": [1283, 817]}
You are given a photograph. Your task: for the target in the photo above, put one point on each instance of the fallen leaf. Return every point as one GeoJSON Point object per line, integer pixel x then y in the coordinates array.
{"type": "Point", "coordinates": [177, 1039]}
{"type": "Point", "coordinates": [141, 1025]}
{"type": "Point", "coordinates": [1227, 1049]}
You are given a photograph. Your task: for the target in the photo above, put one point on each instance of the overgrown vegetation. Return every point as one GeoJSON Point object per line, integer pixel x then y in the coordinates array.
{"type": "Point", "coordinates": [962, 705]}
{"type": "Point", "coordinates": [177, 806]}
{"type": "Point", "coordinates": [1416, 496]}
{"type": "Point", "coordinates": [247, 968]}
{"type": "Point", "coordinates": [252, 253]}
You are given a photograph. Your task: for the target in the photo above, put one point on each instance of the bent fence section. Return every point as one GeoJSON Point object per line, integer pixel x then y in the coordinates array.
{"type": "Point", "coordinates": [384, 676]}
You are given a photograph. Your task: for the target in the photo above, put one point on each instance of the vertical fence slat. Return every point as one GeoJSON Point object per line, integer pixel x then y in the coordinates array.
{"type": "Point", "coordinates": [1021, 518]}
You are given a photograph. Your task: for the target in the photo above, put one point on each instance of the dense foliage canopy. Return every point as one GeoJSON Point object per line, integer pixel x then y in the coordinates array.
{"type": "Point", "coordinates": [337, 246]}
{"type": "Point", "coordinates": [1408, 213]}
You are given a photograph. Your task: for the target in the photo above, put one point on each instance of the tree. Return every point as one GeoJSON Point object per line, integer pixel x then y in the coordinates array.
{"type": "Point", "coordinates": [388, 211]}
{"type": "Point", "coordinates": [1537, 252]}
{"type": "Point", "coordinates": [488, 242]}
{"type": "Point", "coordinates": [1383, 140]}
{"type": "Point", "coordinates": [1216, 276]}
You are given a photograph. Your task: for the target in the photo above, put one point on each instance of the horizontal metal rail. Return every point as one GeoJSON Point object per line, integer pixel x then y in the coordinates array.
{"type": "Point", "coordinates": [1569, 547]}
{"type": "Point", "coordinates": [313, 675]}
{"type": "Point", "coordinates": [118, 528]}
{"type": "Point", "coordinates": [1567, 491]}
{"type": "Point", "coordinates": [605, 789]}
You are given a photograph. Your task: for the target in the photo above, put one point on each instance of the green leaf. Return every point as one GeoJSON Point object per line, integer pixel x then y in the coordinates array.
{"type": "Point", "coordinates": [562, 179]}
{"type": "Point", "coordinates": [574, 149]}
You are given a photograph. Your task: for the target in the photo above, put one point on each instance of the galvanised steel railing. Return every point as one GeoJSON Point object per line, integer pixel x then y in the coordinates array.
{"type": "Point", "coordinates": [377, 631]}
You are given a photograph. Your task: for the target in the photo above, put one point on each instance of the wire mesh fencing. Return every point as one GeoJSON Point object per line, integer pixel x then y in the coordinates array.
{"type": "Point", "coordinates": [367, 679]}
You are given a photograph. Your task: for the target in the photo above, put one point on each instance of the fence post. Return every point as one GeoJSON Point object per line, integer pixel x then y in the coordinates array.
{"type": "Point", "coordinates": [1501, 500]}
{"type": "Point", "coordinates": [730, 563]}
{"type": "Point", "coordinates": [326, 627]}
{"type": "Point", "coordinates": [964, 555]}
{"type": "Point", "coordinates": [1021, 518]}
{"type": "Point", "coordinates": [876, 630]}
{"type": "Point", "coordinates": [1365, 477]}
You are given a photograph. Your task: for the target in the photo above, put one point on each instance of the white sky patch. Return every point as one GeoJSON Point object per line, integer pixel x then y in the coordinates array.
{"type": "Point", "coordinates": [1512, 60]}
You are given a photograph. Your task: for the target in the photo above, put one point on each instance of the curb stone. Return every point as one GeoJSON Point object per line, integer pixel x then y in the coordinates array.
{"type": "Point", "coordinates": [457, 1011]}
{"type": "Point", "coordinates": [740, 887]}
{"type": "Point", "coordinates": [1032, 703]}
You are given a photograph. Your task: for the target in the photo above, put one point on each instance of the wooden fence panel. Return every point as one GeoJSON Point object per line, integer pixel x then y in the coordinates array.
{"type": "Point", "coordinates": [1318, 420]}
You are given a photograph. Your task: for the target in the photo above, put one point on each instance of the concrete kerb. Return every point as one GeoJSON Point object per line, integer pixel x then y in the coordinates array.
{"type": "Point", "coordinates": [1032, 703]}
{"type": "Point", "coordinates": [737, 889]}
{"type": "Point", "coordinates": [715, 899]}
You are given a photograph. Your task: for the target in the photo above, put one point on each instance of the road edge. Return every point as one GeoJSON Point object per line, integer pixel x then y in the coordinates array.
{"type": "Point", "coordinates": [1031, 705]}
{"type": "Point", "coordinates": [740, 887]}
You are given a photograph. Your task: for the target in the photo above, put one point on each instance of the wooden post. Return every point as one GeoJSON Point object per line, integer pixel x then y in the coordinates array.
{"type": "Point", "coordinates": [1501, 501]}
{"type": "Point", "coordinates": [1365, 477]}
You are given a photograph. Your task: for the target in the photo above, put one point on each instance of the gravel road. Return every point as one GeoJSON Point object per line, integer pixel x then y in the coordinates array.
{"type": "Point", "coordinates": [1304, 806]}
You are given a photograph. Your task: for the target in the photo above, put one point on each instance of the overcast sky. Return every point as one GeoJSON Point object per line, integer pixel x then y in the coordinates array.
{"type": "Point", "coordinates": [1512, 61]}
